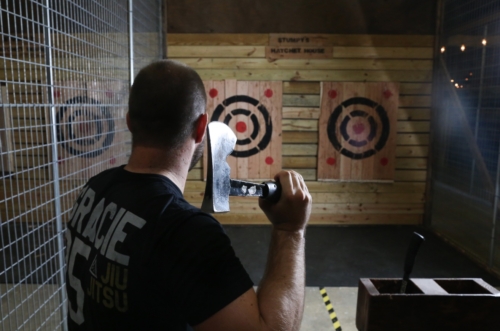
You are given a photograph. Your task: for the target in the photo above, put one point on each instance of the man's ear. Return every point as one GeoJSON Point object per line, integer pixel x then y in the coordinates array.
{"type": "Point", "coordinates": [201, 128]}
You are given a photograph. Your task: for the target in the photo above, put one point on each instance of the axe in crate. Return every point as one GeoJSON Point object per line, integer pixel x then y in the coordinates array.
{"type": "Point", "coordinates": [221, 142]}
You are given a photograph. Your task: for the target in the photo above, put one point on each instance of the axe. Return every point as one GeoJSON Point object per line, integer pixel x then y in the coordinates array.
{"type": "Point", "coordinates": [221, 142]}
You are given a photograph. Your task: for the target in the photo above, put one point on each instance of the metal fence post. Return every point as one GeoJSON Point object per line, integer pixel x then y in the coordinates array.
{"type": "Point", "coordinates": [495, 211]}
{"type": "Point", "coordinates": [55, 165]}
{"type": "Point", "coordinates": [131, 39]}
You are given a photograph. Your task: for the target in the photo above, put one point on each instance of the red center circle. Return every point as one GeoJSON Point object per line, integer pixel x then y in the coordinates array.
{"type": "Point", "coordinates": [241, 127]}
{"type": "Point", "coordinates": [269, 160]}
{"type": "Point", "coordinates": [384, 161]}
{"type": "Point", "coordinates": [358, 128]}
{"type": "Point", "coordinates": [213, 93]}
{"type": "Point", "coordinates": [268, 93]}
{"type": "Point", "coordinates": [332, 94]}
{"type": "Point", "coordinates": [331, 161]}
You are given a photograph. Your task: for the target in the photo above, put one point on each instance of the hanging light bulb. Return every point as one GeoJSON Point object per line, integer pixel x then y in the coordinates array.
{"type": "Point", "coordinates": [443, 49]}
{"type": "Point", "coordinates": [462, 48]}
{"type": "Point", "coordinates": [484, 42]}
{"type": "Point", "coordinates": [456, 85]}
{"type": "Point", "coordinates": [452, 80]}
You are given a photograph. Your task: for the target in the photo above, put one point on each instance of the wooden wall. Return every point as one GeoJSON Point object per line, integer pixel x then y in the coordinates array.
{"type": "Point", "coordinates": [302, 16]}
{"type": "Point", "coordinates": [356, 58]}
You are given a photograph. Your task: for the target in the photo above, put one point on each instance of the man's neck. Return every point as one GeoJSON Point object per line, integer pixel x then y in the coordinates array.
{"type": "Point", "coordinates": [148, 160]}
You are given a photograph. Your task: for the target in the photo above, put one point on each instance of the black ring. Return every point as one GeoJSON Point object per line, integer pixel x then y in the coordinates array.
{"type": "Point", "coordinates": [256, 127]}
{"type": "Point", "coordinates": [98, 118]}
{"type": "Point", "coordinates": [334, 117]}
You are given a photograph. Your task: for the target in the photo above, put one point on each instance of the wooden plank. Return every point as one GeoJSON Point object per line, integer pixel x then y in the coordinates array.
{"type": "Point", "coordinates": [413, 139]}
{"type": "Point", "coordinates": [384, 159]}
{"type": "Point", "coordinates": [230, 89]}
{"type": "Point", "coordinates": [326, 219]}
{"type": "Point", "coordinates": [6, 136]}
{"type": "Point", "coordinates": [410, 175]}
{"type": "Point", "coordinates": [300, 125]}
{"type": "Point", "coordinates": [216, 94]}
{"type": "Point", "coordinates": [205, 39]}
{"type": "Point", "coordinates": [217, 39]}
{"type": "Point", "coordinates": [242, 88]}
{"type": "Point", "coordinates": [300, 162]}
{"type": "Point", "coordinates": [300, 149]}
{"type": "Point", "coordinates": [198, 187]}
{"type": "Point", "coordinates": [412, 151]}
{"type": "Point", "coordinates": [300, 112]}
{"type": "Point", "coordinates": [175, 52]}
{"type": "Point", "coordinates": [404, 114]}
{"type": "Point", "coordinates": [295, 100]}
{"type": "Point", "coordinates": [314, 88]}
{"type": "Point", "coordinates": [301, 87]}
{"type": "Point", "coordinates": [250, 206]}
{"type": "Point", "coordinates": [414, 114]}
{"type": "Point", "coordinates": [413, 126]}
{"type": "Point", "coordinates": [254, 162]}
{"type": "Point", "coordinates": [411, 163]}
{"type": "Point", "coordinates": [383, 52]}
{"type": "Point", "coordinates": [300, 61]}
{"type": "Point", "coordinates": [277, 117]}
{"type": "Point", "coordinates": [415, 101]}
{"type": "Point", "coordinates": [300, 137]}
{"type": "Point", "coordinates": [270, 157]}
{"type": "Point", "coordinates": [295, 39]}
{"type": "Point", "coordinates": [318, 75]}
{"type": "Point", "coordinates": [415, 88]}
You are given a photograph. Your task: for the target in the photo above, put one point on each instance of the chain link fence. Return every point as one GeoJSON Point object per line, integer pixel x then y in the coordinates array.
{"type": "Point", "coordinates": [65, 73]}
{"type": "Point", "coordinates": [466, 129]}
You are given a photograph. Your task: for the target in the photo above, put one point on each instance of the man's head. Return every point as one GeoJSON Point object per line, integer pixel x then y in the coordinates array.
{"type": "Point", "coordinates": [165, 104]}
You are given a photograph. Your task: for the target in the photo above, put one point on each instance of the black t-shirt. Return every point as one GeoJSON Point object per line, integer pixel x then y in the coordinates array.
{"type": "Point", "coordinates": [140, 257]}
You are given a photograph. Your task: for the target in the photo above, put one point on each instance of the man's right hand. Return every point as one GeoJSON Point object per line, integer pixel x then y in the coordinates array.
{"type": "Point", "coordinates": [292, 211]}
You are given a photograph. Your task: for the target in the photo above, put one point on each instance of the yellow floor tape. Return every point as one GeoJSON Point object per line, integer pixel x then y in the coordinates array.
{"type": "Point", "coordinates": [329, 308]}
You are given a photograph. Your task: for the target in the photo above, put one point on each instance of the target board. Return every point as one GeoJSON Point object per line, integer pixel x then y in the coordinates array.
{"type": "Point", "coordinates": [357, 131]}
{"type": "Point", "coordinates": [253, 111]}
{"type": "Point", "coordinates": [90, 121]}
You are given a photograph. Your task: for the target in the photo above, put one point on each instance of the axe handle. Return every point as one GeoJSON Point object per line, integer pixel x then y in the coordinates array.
{"type": "Point", "coordinates": [271, 191]}
{"type": "Point", "coordinates": [268, 190]}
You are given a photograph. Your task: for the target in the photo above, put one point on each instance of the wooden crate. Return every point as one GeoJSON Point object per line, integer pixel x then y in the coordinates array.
{"type": "Point", "coordinates": [428, 304]}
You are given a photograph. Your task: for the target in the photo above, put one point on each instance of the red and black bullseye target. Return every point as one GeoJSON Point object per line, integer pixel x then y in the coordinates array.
{"type": "Point", "coordinates": [254, 146]}
{"type": "Point", "coordinates": [364, 120]}
{"type": "Point", "coordinates": [84, 127]}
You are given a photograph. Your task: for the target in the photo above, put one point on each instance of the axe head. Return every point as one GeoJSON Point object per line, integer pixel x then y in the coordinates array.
{"type": "Point", "coordinates": [221, 141]}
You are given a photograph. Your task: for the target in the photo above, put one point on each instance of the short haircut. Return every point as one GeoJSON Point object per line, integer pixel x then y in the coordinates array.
{"type": "Point", "coordinates": [165, 101]}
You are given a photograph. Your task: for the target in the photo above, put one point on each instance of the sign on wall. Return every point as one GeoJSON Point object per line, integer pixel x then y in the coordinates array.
{"type": "Point", "coordinates": [357, 131]}
{"type": "Point", "coordinates": [253, 111]}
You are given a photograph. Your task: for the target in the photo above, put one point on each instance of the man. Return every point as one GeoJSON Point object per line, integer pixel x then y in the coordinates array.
{"type": "Point", "coordinates": [139, 257]}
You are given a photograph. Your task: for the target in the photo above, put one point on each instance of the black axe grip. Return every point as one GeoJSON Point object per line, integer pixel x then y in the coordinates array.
{"type": "Point", "coordinates": [271, 191]}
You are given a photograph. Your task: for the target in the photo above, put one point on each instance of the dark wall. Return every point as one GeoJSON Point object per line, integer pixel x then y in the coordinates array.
{"type": "Point", "coordinates": [302, 16]}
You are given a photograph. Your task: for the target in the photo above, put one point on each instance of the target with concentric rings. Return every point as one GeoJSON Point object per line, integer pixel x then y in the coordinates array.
{"type": "Point", "coordinates": [85, 128]}
{"type": "Point", "coordinates": [341, 119]}
{"type": "Point", "coordinates": [251, 139]}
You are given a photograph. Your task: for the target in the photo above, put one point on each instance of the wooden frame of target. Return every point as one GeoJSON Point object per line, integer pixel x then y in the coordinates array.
{"type": "Point", "coordinates": [357, 131]}
{"type": "Point", "coordinates": [253, 111]}
{"type": "Point", "coordinates": [91, 127]}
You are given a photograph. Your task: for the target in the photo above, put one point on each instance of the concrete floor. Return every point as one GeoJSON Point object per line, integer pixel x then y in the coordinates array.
{"type": "Point", "coordinates": [20, 308]}
{"type": "Point", "coordinates": [336, 258]}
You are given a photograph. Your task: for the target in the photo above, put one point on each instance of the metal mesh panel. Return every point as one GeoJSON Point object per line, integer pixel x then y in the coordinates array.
{"type": "Point", "coordinates": [64, 79]}
{"type": "Point", "coordinates": [467, 128]}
